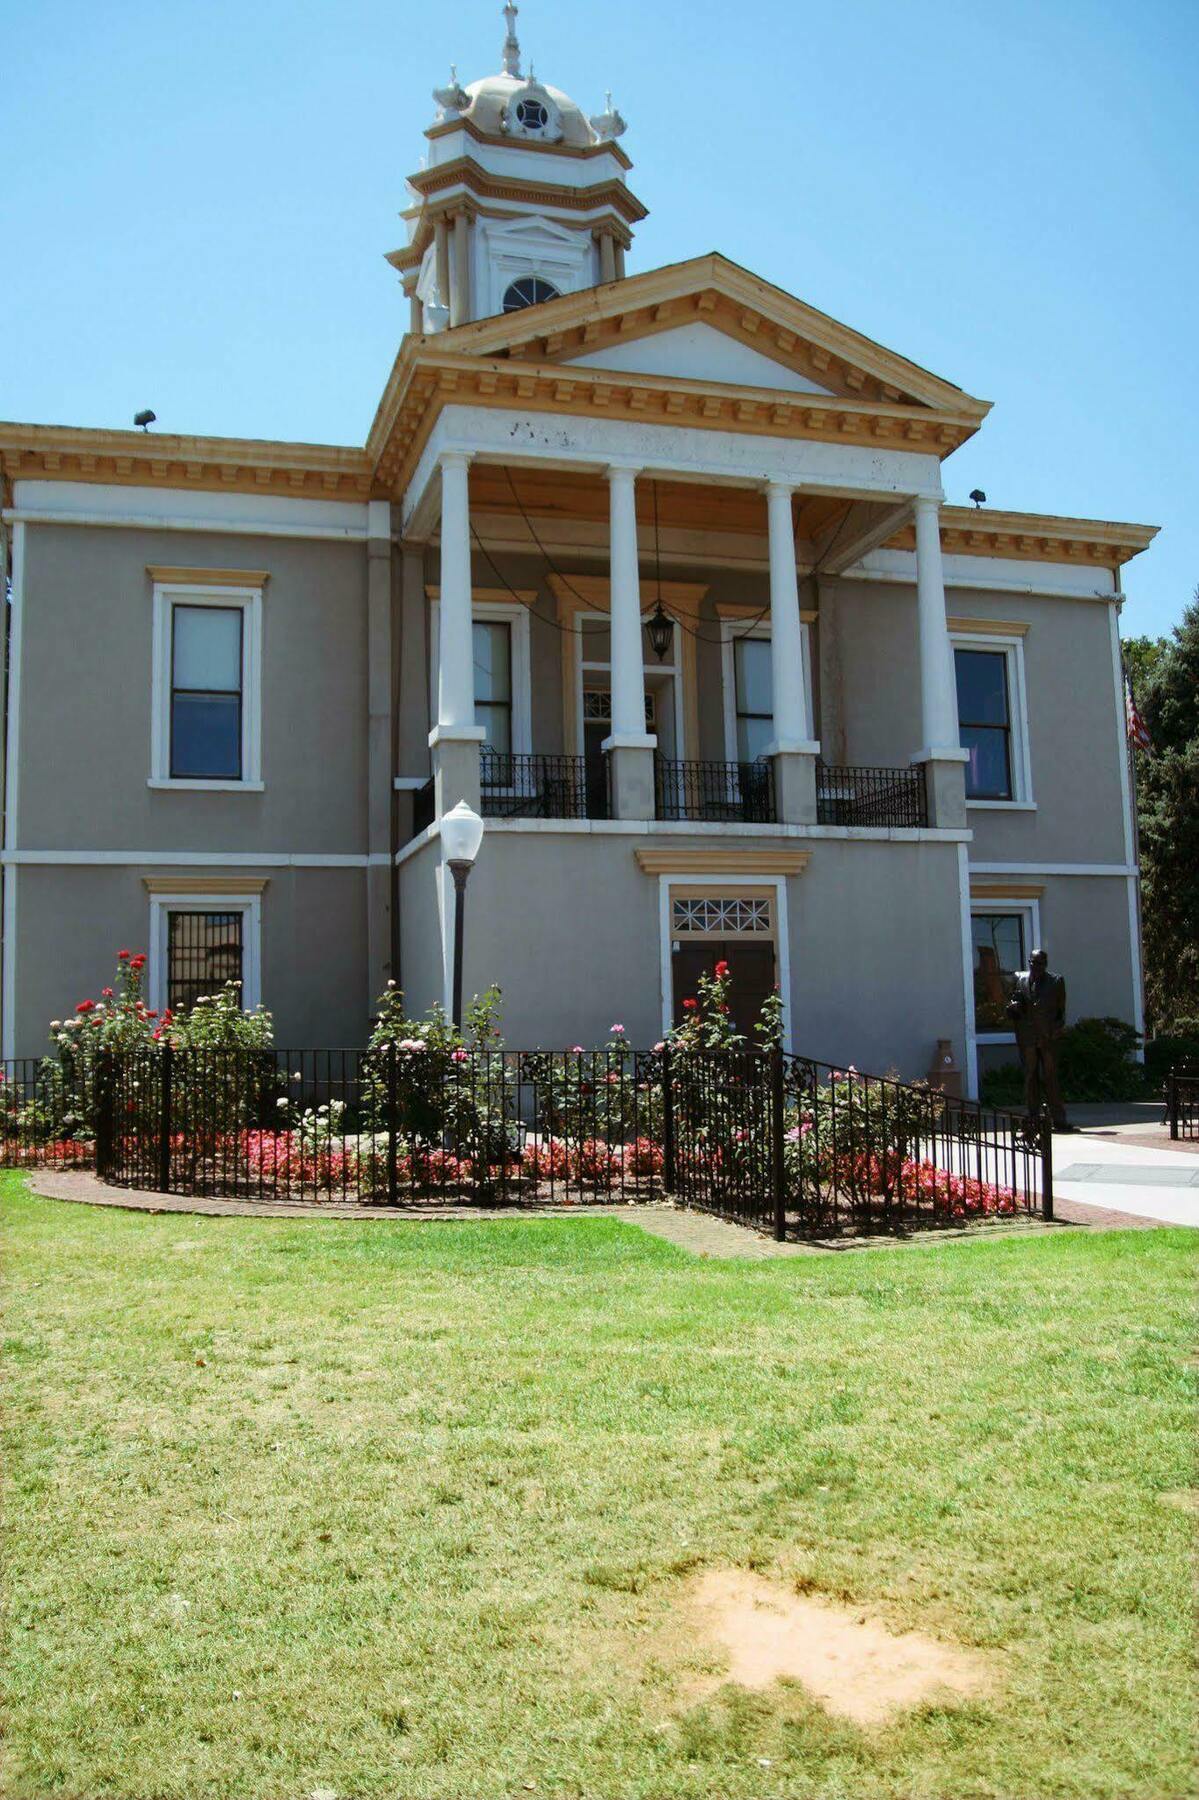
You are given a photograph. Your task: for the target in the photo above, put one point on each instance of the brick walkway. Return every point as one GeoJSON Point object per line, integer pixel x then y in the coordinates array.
{"type": "Point", "coordinates": [699, 1233]}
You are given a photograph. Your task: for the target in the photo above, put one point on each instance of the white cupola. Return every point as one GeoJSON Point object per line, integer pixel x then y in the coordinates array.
{"type": "Point", "coordinates": [521, 197]}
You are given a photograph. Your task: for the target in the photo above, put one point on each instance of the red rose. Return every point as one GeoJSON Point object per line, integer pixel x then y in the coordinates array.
{"type": "Point", "coordinates": [86, 1006]}
{"type": "Point", "coordinates": [124, 955]}
{"type": "Point", "coordinates": [722, 969]}
{"type": "Point", "coordinates": [151, 1015]}
{"type": "Point", "coordinates": [690, 1005]}
{"type": "Point", "coordinates": [106, 993]}
{"type": "Point", "coordinates": [137, 962]}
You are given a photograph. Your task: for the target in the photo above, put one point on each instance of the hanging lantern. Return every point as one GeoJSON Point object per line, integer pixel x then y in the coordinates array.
{"type": "Point", "coordinates": [660, 627]}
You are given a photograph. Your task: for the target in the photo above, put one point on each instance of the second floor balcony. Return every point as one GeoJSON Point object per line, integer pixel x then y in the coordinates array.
{"type": "Point", "coordinates": [578, 787]}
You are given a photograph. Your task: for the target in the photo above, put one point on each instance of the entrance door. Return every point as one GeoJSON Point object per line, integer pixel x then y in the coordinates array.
{"type": "Point", "coordinates": [752, 976]}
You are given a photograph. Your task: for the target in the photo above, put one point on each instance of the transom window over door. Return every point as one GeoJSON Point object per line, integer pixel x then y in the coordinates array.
{"type": "Point", "coordinates": [493, 682]}
{"type": "Point", "coordinates": [754, 696]}
{"type": "Point", "coordinates": [204, 951]}
{"type": "Point", "coordinates": [206, 692]}
{"type": "Point", "coordinates": [985, 722]}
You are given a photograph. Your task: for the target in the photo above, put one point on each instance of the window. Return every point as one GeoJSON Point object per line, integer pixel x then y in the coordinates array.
{"type": "Point", "coordinates": [202, 934]}
{"type": "Point", "coordinates": [532, 115]}
{"type": "Point", "coordinates": [206, 702]}
{"type": "Point", "coordinates": [206, 692]}
{"type": "Point", "coordinates": [204, 951]}
{"type": "Point", "coordinates": [493, 682]}
{"type": "Point", "coordinates": [1003, 934]}
{"type": "Point", "coordinates": [530, 290]}
{"type": "Point", "coordinates": [749, 682]}
{"type": "Point", "coordinates": [984, 720]}
{"type": "Point", "coordinates": [503, 689]}
{"type": "Point", "coordinates": [754, 697]}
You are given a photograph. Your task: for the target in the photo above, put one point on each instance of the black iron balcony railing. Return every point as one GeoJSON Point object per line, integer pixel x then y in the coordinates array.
{"type": "Point", "coordinates": [878, 797]}
{"type": "Point", "coordinates": [542, 787]}
{"type": "Point", "coordinates": [729, 792]}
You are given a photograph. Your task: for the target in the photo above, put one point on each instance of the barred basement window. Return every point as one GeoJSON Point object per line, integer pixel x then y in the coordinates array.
{"type": "Point", "coordinates": [204, 951]}
{"type": "Point", "coordinates": [715, 915]}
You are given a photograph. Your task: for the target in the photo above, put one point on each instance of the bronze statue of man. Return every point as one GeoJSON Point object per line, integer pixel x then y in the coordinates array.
{"type": "Point", "coordinates": [1037, 1009]}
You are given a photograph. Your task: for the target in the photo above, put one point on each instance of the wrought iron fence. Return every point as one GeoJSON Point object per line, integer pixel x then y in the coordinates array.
{"type": "Point", "coordinates": [400, 1125]}
{"type": "Point", "coordinates": [47, 1112]}
{"type": "Point", "coordinates": [1182, 1103]}
{"type": "Point", "coordinates": [542, 787]}
{"type": "Point", "coordinates": [870, 796]}
{"type": "Point", "coordinates": [779, 1143]}
{"type": "Point", "coordinates": [801, 1149]}
{"type": "Point", "coordinates": [715, 791]}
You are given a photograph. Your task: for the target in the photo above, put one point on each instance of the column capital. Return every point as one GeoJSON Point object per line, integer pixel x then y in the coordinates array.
{"type": "Point", "coordinates": [618, 471]}
{"type": "Point", "coordinates": [455, 459]}
{"type": "Point", "coordinates": [928, 503]}
{"type": "Point", "coordinates": [779, 489]}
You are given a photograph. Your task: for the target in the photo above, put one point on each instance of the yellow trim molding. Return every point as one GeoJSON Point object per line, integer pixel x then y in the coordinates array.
{"type": "Point", "coordinates": [990, 627]}
{"type": "Point", "coordinates": [242, 578]}
{"type": "Point", "coordinates": [1006, 890]}
{"type": "Point", "coordinates": [230, 885]}
{"type": "Point", "coordinates": [722, 862]}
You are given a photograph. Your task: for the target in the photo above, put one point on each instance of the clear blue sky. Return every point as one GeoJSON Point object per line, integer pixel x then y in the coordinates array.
{"type": "Point", "coordinates": [198, 195]}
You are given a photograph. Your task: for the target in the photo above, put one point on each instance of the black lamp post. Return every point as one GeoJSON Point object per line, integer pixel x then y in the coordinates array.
{"type": "Point", "coordinates": [462, 837]}
{"type": "Point", "coordinates": [660, 630]}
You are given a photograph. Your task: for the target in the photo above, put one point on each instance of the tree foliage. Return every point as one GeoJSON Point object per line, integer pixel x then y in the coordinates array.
{"type": "Point", "coordinates": [1166, 681]}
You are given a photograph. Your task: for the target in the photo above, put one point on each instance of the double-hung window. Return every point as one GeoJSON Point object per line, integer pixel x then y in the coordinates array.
{"type": "Point", "coordinates": [206, 723]}
{"type": "Point", "coordinates": [493, 682]}
{"type": "Point", "coordinates": [206, 693]}
{"type": "Point", "coordinates": [992, 716]}
{"type": "Point", "coordinates": [753, 696]}
{"type": "Point", "coordinates": [985, 723]}
{"type": "Point", "coordinates": [1004, 934]}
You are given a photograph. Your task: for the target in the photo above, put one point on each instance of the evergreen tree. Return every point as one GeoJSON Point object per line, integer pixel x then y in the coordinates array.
{"type": "Point", "coordinates": [1168, 815]}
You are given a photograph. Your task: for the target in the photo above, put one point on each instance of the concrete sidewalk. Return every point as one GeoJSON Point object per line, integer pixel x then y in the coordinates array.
{"type": "Point", "coordinates": [1127, 1166]}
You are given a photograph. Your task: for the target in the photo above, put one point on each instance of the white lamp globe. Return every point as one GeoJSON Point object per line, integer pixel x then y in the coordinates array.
{"type": "Point", "coordinates": [462, 833]}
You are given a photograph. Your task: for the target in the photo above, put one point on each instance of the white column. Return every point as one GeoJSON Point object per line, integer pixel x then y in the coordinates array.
{"type": "Point", "coordinates": [786, 635]}
{"type": "Point", "coordinates": [460, 272]}
{"type": "Point", "coordinates": [627, 655]}
{"type": "Point", "coordinates": [456, 680]}
{"type": "Point", "coordinates": [938, 687]}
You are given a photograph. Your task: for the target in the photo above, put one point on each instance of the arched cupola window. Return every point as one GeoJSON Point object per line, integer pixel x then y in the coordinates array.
{"type": "Point", "coordinates": [530, 290]}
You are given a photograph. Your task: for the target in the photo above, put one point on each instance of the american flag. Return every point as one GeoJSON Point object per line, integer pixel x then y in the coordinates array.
{"type": "Point", "coordinates": [1138, 734]}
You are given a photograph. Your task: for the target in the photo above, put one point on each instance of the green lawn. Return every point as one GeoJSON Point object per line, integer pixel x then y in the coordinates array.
{"type": "Point", "coordinates": [407, 1510]}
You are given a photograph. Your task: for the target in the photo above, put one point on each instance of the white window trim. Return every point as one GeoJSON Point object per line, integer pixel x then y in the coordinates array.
{"type": "Point", "coordinates": [672, 670]}
{"type": "Point", "coordinates": [511, 612]}
{"type": "Point", "coordinates": [168, 595]}
{"type": "Point", "coordinates": [728, 883]}
{"type": "Point", "coordinates": [1017, 705]}
{"type": "Point", "coordinates": [250, 907]}
{"type": "Point", "coordinates": [730, 631]}
{"type": "Point", "coordinates": [1031, 910]}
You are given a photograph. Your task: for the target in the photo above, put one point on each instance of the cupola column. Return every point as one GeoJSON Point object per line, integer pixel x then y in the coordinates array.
{"type": "Point", "coordinates": [455, 738]}
{"type": "Point", "coordinates": [630, 746]}
{"type": "Point", "coordinates": [460, 306]}
{"type": "Point", "coordinates": [441, 260]}
{"type": "Point", "coordinates": [607, 257]}
{"type": "Point", "coordinates": [792, 752]}
{"type": "Point", "coordinates": [941, 757]}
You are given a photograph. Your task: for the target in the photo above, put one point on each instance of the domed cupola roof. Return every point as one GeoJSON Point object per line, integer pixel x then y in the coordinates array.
{"type": "Point", "coordinates": [516, 107]}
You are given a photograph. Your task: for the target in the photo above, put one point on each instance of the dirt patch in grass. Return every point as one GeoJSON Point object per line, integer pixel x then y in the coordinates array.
{"type": "Point", "coordinates": [846, 1660]}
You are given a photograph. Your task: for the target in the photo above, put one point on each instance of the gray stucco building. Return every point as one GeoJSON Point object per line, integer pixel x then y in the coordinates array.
{"type": "Point", "coordinates": [877, 749]}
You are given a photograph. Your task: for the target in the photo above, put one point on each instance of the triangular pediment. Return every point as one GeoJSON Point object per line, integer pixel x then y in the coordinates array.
{"type": "Point", "coordinates": [690, 307]}
{"type": "Point", "coordinates": [698, 351]}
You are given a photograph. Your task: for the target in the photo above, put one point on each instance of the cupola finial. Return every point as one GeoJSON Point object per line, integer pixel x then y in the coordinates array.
{"type": "Point", "coordinates": [511, 43]}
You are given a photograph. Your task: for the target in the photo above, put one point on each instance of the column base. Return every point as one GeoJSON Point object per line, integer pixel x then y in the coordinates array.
{"type": "Point", "coordinates": [795, 782]}
{"type": "Point", "coordinates": [455, 757]}
{"type": "Point", "coordinates": [944, 786]}
{"type": "Point", "coordinates": [631, 778]}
